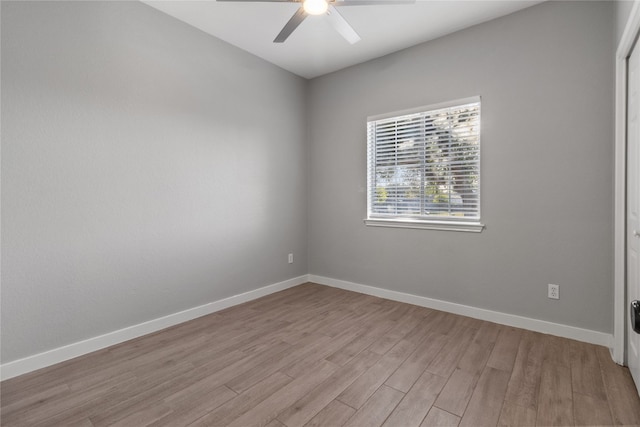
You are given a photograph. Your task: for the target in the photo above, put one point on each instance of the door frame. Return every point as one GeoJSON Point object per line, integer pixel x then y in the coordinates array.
{"type": "Point", "coordinates": [631, 31]}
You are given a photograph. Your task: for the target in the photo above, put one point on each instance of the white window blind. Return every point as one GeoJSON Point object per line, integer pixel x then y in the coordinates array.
{"type": "Point", "coordinates": [425, 165]}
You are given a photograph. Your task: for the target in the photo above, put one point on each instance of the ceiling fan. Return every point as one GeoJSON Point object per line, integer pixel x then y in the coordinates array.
{"type": "Point", "coordinates": [324, 7]}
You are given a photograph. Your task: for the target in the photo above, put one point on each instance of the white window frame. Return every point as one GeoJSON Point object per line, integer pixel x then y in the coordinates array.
{"type": "Point", "coordinates": [437, 223]}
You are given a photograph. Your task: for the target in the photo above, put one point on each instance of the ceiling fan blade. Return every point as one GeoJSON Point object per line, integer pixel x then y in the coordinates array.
{"type": "Point", "coordinates": [367, 2]}
{"type": "Point", "coordinates": [293, 23]}
{"type": "Point", "coordinates": [342, 26]}
{"type": "Point", "coordinates": [261, 1]}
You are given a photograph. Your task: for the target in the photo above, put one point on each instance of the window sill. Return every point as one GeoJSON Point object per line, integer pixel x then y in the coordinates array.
{"type": "Point", "coordinates": [472, 227]}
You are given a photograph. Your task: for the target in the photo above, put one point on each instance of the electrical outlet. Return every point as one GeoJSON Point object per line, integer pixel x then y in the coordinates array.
{"type": "Point", "coordinates": [290, 258]}
{"type": "Point", "coordinates": [554, 291]}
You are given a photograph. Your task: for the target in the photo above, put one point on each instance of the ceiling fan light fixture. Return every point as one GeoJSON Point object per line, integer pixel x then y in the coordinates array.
{"type": "Point", "coordinates": [315, 7]}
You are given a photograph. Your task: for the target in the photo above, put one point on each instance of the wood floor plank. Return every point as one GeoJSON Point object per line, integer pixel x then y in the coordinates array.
{"type": "Point", "coordinates": [74, 414]}
{"type": "Point", "coordinates": [268, 409]}
{"type": "Point", "coordinates": [586, 377]}
{"type": "Point", "coordinates": [139, 400]}
{"type": "Point", "coordinates": [442, 323]}
{"type": "Point", "coordinates": [376, 410]}
{"type": "Point", "coordinates": [487, 334]}
{"type": "Point", "coordinates": [84, 366]}
{"type": "Point", "coordinates": [358, 392]}
{"type": "Point", "coordinates": [404, 325]}
{"type": "Point", "coordinates": [590, 411]}
{"type": "Point", "coordinates": [64, 373]}
{"type": "Point", "coordinates": [339, 320]}
{"type": "Point", "coordinates": [237, 406]}
{"type": "Point", "coordinates": [468, 322]}
{"type": "Point", "coordinates": [620, 389]}
{"type": "Point", "coordinates": [275, 423]}
{"type": "Point", "coordinates": [457, 392]}
{"type": "Point", "coordinates": [303, 364]}
{"type": "Point", "coordinates": [259, 371]}
{"type": "Point", "coordinates": [555, 404]}
{"type": "Point", "coordinates": [514, 415]}
{"type": "Point", "coordinates": [524, 384]}
{"type": "Point", "coordinates": [343, 355]}
{"type": "Point", "coordinates": [38, 396]}
{"type": "Point", "coordinates": [310, 321]}
{"type": "Point", "coordinates": [416, 403]}
{"type": "Point", "coordinates": [80, 423]}
{"type": "Point", "coordinates": [447, 359]}
{"type": "Point", "coordinates": [475, 358]}
{"type": "Point", "coordinates": [309, 405]}
{"type": "Point", "coordinates": [439, 418]}
{"type": "Point", "coordinates": [557, 350]}
{"type": "Point", "coordinates": [419, 333]}
{"type": "Point", "coordinates": [335, 414]}
{"type": "Point", "coordinates": [412, 368]}
{"type": "Point", "coordinates": [211, 354]}
{"type": "Point", "coordinates": [188, 409]}
{"type": "Point", "coordinates": [143, 416]}
{"type": "Point", "coordinates": [505, 350]}
{"type": "Point", "coordinates": [477, 353]}
{"type": "Point", "coordinates": [42, 411]}
{"type": "Point", "coordinates": [163, 383]}
{"type": "Point", "coordinates": [487, 399]}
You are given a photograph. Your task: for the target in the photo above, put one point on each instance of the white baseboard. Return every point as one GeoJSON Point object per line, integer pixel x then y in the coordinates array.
{"type": "Point", "coordinates": [60, 354]}
{"type": "Point", "coordinates": [57, 355]}
{"type": "Point", "coordinates": [557, 329]}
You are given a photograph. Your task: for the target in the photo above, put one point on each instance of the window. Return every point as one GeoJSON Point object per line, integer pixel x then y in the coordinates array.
{"type": "Point", "coordinates": [424, 167]}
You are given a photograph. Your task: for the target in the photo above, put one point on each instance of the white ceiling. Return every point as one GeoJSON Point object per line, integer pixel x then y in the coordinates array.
{"type": "Point", "coordinates": [315, 48]}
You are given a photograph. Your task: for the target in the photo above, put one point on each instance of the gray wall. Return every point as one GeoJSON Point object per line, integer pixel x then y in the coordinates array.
{"type": "Point", "coordinates": [545, 75]}
{"type": "Point", "coordinates": [146, 168]}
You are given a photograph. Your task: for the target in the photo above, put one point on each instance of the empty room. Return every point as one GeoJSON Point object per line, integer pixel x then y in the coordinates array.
{"type": "Point", "coordinates": [320, 213]}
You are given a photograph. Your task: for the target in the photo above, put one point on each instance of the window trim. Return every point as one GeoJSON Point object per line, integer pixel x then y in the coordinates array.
{"type": "Point", "coordinates": [475, 225]}
{"type": "Point", "coordinates": [472, 227]}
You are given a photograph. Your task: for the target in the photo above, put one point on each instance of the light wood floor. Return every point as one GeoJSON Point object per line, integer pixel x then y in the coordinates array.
{"type": "Point", "coordinates": [314, 355]}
